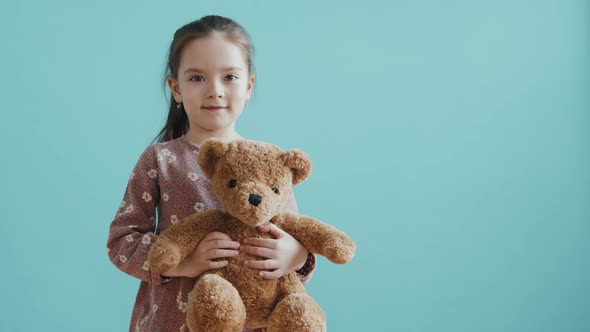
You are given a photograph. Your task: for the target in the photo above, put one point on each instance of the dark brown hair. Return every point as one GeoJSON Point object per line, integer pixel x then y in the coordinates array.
{"type": "Point", "coordinates": [177, 123]}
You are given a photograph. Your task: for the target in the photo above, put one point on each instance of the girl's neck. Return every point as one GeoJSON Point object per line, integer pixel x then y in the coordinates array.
{"type": "Point", "coordinates": [199, 136]}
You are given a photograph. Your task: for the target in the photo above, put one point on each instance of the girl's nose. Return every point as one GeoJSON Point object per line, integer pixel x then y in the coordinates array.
{"type": "Point", "coordinates": [215, 91]}
{"type": "Point", "coordinates": [215, 95]}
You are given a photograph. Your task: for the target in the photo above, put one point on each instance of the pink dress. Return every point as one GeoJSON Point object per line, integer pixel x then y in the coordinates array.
{"type": "Point", "coordinates": [165, 186]}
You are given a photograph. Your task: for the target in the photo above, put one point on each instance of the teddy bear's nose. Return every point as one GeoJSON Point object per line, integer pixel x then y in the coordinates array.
{"type": "Point", "coordinates": [254, 199]}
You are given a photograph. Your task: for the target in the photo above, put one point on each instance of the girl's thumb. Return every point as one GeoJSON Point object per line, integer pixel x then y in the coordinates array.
{"type": "Point", "coordinates": [273, 229]}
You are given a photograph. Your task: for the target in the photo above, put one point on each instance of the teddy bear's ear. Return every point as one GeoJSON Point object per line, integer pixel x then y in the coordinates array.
{"type": "Point", "coordinates": [299, 164]}
{"type": "Point", "coordinates": [209, 154]}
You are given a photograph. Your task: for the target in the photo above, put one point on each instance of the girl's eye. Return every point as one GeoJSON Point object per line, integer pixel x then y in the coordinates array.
{"type": "Point", "coordinates": [232, 183]}
{"type": "Point", "coordinates": [275, 190]}
{"type": "Point", "coordinates": [231, 77]}
{"type": "Point", "coordinates": [199, 78]}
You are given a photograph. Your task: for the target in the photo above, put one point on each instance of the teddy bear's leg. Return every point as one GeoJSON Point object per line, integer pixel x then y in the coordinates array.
{"type": "Point", "coordinates": [297, 312]}
{"type": "Point", "coordinates": [214, 305]}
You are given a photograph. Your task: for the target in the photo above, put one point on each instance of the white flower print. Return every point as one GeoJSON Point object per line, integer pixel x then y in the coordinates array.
{"type": "Point", "coordinates": [154, 307]}
{"type": "Point", "coordinates": [123, 259]}
{"type": "Point", "coordinates": [183, 328]}
{"type": "Point", "coordinates": [147, 197]}
{"type": "Point", "coordinates": [146, 266]}
{"type": "Point", "coordinates": [122, 204]}
{"type": "Point", "coordinates": [163, 154]}
{"type": "Point", "coordinates": [152, 173]}
{"type": "Point", "coordinates": [146, 239]}
{"type": "Point", "coordinates": [173, 219]}
{"type": "Point", "coordinates": [129, 209]}
{"type": "Point", "coordinates": [144, 320]}
{"type": "Point", "coordinates": [166, 155]}
{"type": "Point", "coordinates": [195, 152]}
{"type": "Point", "coordinates": [132, 176]}
{"type": "Point", "coordinates": [183, 306]}
{"type": "Point", "coordinates": [165, 197]}
{"type": "Point", "coordinates": [132, 226]}
{"type": "Point", "coordinates": [193, 176]}
{"type": "Point", "coordinates": [129, 238]}
{"type": "Point", "coordinates": [199, 207]}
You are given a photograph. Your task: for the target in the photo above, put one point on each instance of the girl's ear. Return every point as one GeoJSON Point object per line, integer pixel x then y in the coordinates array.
{"type": "Point", "coordinates": [251, 80]}
{"type": "Point", "coordinates": [173, 85]}
{"type": "Point", "coordinates": [209, 154]}
{"type": "Point", "coordinates": [299, 164]}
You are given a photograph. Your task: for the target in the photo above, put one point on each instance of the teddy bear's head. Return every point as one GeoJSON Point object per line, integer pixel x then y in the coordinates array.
{"type": "Point", "coordinates": [252, 180]}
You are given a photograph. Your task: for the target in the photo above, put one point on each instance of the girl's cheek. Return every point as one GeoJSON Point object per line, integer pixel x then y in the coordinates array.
{"type": "Point", "coordinates": [197, 91]}
{"type": "Point", "coordinates": [238, 90]}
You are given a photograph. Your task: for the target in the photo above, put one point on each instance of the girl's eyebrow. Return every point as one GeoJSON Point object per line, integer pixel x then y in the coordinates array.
{"type": "Point", "coordinates": [197, 70]}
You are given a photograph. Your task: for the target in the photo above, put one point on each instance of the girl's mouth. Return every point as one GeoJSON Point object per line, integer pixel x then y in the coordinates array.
{"type": "Point", "coordinates": [214, 108]}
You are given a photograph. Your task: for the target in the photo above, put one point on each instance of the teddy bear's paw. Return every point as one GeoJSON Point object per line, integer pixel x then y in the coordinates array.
{"type": "Point", "coordinates": [340, 249]}
{"type": "Point", "coordinates": [297, 312]}
{"type": "Point", "coordinates": [215, 305]}
{"type": "Point", "coordinates": [162, 258]}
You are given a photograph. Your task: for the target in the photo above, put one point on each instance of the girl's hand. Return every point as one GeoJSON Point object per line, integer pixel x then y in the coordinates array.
{"type": "Point", "coordinates": [284, 254]}
{"type": "Point", "coordinates": [214, 245]}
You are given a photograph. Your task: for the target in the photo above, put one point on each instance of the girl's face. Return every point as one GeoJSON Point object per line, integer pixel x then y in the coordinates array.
{"type": "Point", "coordinates": [213, 83]}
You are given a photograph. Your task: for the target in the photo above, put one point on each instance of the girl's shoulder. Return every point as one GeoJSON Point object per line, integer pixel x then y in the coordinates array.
{"type": "Point", "coordinates": [177, 145]}
{"type": "Point", "coordinates": [168, 151]}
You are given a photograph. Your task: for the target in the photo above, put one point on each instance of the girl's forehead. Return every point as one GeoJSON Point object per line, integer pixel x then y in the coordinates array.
{"type": "Point", "coordinates": [212, 53]}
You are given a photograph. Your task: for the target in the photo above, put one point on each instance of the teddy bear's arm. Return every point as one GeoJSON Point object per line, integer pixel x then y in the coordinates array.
{"type": "Point", "coordinates": [180, 239]}
{"type": "Point", "coordinates": [318, 237]}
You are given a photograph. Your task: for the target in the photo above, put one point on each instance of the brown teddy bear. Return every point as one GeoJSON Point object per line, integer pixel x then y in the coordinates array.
{"type": "Point", "coordinates": [253, 181]}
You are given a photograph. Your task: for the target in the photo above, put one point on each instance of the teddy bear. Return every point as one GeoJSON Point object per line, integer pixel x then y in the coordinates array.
{"type": "Point", "coordinates": [253, 181]}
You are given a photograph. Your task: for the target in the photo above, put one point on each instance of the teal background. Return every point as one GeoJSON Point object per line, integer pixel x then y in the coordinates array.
{"type": "Point", "coordinates": [449, 139]}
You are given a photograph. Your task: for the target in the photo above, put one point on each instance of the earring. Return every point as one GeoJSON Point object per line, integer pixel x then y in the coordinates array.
{"type": "Point", "coordinates": [179, 105]}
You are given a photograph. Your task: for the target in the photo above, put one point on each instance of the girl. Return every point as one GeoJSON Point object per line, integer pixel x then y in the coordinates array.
{"type": "Point", "coordinates": [210, 74]}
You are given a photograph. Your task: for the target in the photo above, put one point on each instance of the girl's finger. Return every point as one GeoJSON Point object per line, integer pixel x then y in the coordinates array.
{"type": "Point", "coordinates": [220, 253]}
{"type": "Point", "coordinates": [215, 265]}
{"type": "Point", "coordinates": [266, 264]}
{"type": "Point", "coordinates": [216, 236]}
{"type": "Point", "coordinates": [270, 274]}
{"type": "Point", "coordinates": [259, 251]}
{"type": "Point", "coordinates": [273, 230]}
{"type": "Point", "coordinates": [264, 228]}
{"type": "Point", "coordinates": [267, 243]}
{"type": "Point", "coordinates": [221, 244]}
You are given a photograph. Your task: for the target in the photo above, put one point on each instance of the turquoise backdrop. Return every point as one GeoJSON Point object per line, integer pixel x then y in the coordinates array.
{"type": "Point", "coordinates": [450, 139]}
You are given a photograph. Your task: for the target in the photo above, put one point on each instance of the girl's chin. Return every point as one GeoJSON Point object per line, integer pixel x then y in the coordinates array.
{"type": "Point", "coordinates": [215, 126]}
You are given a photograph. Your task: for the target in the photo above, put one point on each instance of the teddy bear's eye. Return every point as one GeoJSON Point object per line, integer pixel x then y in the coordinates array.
{"type": "Point", "coordinates": [275, 190]}
{"type": "Point", "coordinates": [232, 183]}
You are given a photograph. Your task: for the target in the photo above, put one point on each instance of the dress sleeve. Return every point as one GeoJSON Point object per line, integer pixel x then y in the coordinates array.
{"type": "Point", "coordinates": [306, 271]}
{"type": "Point", "coordinates": [132, 232]}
